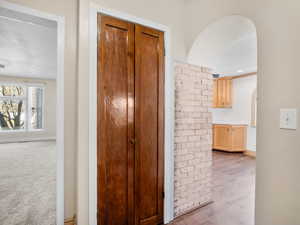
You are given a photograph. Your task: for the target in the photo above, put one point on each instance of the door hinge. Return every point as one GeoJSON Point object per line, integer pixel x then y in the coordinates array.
{"type": "Point", "coordinates": [163, 194]}
{"type": "Point", "coordinates": [164, 51]}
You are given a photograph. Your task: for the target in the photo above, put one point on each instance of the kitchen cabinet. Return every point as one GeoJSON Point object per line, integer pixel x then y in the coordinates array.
{"type": "Point", "coordinates": [228, 137]}
{"type": "Point", "coordinates": [222, 93]}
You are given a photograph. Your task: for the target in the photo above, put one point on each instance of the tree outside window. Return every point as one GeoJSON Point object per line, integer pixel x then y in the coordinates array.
{"type": "Point", "coordinates": [21, 107]}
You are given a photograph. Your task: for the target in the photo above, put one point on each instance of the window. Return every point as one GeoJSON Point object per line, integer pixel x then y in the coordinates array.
{"type": "Point", "coordinates": [21, 107]}
{"type": "Point", "coordinates": [254, 108]}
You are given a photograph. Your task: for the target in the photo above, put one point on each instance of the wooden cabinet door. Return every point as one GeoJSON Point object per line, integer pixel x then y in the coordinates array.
{"type": "Point", "coordinates": [115, 122]}
{"type": "Point", "coordinates": [222, 137]}
{"type": "Point", "coordinates": [219, 136]}
{"type": "Point", "coordinates": [222, 93]}
{"type": "Point", "coordinates": [215, 93]}
{"type": "Point", "coordinates": [149, 126]}
{"type": "Point", "coordinates": [239, 138]}
{"type": "Point", "coordinates": [228, 137]}
{"type": "Point", "coordinates": [231, 138]}
{"type": "Point", "coordinates": [228, 93]}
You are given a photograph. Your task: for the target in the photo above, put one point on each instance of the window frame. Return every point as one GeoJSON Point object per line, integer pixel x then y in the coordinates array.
{"type": "Point", "coordinates": [254, 109]}
{"type": "Point", "coordinates": [27, 101]}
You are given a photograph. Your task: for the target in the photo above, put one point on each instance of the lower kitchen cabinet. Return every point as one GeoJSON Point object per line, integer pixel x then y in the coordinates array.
{"type": "Point", "coordinates": [228, 137]}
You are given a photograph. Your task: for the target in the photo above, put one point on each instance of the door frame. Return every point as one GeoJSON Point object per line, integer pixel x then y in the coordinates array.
{"type": "Point", "coordinates": [59, 99]}
{"type": "Point", "coordinates": [169, 110]}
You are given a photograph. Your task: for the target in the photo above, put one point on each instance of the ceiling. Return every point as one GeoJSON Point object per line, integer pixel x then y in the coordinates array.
{"type": "Point", "coordinates": [228, 46]}
{"type": "Point", "coordinates": [28, 46]}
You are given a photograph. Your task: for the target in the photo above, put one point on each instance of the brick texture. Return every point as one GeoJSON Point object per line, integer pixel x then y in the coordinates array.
{"type": "Point", "coordinates": [193, 137]}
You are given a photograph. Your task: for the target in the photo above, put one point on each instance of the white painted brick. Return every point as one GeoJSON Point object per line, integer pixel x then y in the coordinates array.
{"type": "Point", "coordinates": [193, 137]}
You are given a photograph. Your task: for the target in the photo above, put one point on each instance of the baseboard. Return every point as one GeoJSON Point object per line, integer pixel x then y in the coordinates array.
{"type": "Point", "coordinates": [20, 140]}
{"type": "Point", "coordinates": [71, 221]}
{"type": "Point", "coordinates": [250, 153]}
{"type": "Point", "coordinates": [182, 215]}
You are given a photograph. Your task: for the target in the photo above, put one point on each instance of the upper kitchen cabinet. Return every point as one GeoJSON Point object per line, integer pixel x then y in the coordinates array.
{"type": "Point", "coordinates": [222, 93]}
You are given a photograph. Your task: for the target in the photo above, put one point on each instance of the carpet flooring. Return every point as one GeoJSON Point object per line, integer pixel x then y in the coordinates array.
{"type": "Point", "coordinates": [28, 183]}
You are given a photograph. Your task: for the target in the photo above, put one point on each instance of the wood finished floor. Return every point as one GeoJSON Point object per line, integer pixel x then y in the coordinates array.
{"type": "Point", "coordinates": [233, 193]}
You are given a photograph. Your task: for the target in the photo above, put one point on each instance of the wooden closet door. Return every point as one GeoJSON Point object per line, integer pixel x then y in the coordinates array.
{"type": "Point", "coordinates": [149, 125]}
{"type": "Point", "coordinates": [115, 121]}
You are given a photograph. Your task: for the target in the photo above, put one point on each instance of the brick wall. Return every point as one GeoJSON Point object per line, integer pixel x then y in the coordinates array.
{"type": "Point", "coordinates": [193, 137]}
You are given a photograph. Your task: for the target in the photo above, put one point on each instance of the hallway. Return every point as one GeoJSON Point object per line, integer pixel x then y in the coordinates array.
{"type": "Point", "coordinates": [233, 193]}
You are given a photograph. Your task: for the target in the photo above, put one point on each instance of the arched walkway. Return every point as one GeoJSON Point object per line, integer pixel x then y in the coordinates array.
{"type": "Point", "coordinates": [229, 47]}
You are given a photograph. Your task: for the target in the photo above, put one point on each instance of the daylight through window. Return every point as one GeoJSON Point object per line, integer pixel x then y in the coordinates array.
{"type": "Point", "coordinates": [21, 107]}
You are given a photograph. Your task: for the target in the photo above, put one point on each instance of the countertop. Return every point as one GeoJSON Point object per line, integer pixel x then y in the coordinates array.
{"type": "Point", "coordinates": [230, 123]}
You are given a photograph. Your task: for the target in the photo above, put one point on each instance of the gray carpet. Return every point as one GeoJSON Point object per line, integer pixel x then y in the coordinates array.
{"type": "Point", "coordinates": [28, 183]}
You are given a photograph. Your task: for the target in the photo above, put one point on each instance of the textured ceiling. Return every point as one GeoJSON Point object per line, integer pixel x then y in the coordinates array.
{"type": "Point", "coordinates": [228, 46]}
{"type": "Point", "coordinates": [27, 46]}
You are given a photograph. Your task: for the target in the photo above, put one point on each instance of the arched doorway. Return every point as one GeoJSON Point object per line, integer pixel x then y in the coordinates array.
{"type": "Point", "coordinates": [229, 47]}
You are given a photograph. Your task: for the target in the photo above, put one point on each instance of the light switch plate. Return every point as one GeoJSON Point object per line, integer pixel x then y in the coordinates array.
{"type": "Point", "coordinates": [288, 119]}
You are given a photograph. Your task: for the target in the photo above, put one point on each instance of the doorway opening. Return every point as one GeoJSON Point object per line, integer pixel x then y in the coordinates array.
{"type": "Point", "coordinates": [31, 116]}
{"type": "Point", "coordinates": [229, 48]}
{"type": "Point", "coordinates": [168, 112]}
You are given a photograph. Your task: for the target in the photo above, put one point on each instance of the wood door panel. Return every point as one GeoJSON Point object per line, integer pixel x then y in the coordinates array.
{"type": "Point", "coordinates": [239, 138]}
{"type": "Point", "coordinates": [222, 95]}
{"type": "Point", "coordinates": [222, 137]}
{"type": "Point", "coordinates": [215, 94]}
{"type": "Point", "coordinates": [148, 122]}
{"type": "Point", "coordinates": [228, 95]}
{"type": "Point", "coordinates": [115, 122]}
{"type": "Point", "coordinates": [130, 123]}
{"type": "Point", "coordinates": [230, 138]}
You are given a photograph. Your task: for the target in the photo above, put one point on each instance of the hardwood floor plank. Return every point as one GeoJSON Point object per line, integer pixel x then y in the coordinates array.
{"type": "Point", "coordinates": [233, 193]}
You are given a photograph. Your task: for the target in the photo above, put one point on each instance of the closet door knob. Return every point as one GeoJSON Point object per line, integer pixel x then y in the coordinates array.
{"type": "Point", "coordinates": [133, 141]}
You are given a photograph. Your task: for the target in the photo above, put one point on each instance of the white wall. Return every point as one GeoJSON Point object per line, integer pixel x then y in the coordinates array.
{"type": "Point", "coordinates": [240, 113]}
{"type": "Point", "coordinates": [49, 131]}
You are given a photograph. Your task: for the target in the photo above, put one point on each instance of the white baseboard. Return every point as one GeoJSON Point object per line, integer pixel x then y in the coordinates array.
{"type": "Point", "coordinates": [250, 153]}
{"type": "Point", "coordinates": [29, 139]}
